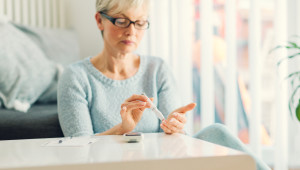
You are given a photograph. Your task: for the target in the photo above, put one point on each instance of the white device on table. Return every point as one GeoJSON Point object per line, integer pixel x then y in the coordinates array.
{"type": "Point", "coordinates": [154, 109]}
{"type": "Point", "coordinates": [133, 137]}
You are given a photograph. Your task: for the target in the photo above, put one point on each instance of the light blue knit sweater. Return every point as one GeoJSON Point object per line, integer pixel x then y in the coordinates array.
{"type": "Point", "coordinates": [89, 102]}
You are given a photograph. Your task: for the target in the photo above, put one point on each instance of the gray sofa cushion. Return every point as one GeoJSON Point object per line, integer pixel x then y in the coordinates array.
{"type": "Point", "coordinates": [41, 121]}
{"type": "Point", "coordinates": [25, 71]}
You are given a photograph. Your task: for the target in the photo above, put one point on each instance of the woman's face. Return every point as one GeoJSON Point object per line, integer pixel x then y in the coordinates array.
{"type": "Point", "coordinates": [123, 40]}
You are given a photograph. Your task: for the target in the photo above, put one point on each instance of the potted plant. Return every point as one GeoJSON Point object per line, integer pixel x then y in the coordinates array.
{"type": "Point", "coordinates": [293, 78]}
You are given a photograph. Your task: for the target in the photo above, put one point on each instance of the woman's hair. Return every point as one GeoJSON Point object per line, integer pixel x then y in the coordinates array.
{"type": "Point", "coordinates": [117, 6]}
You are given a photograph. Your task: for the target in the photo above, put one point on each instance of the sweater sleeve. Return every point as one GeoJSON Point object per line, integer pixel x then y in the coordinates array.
{"type": "Point", "coordinates": [73, 110]}
{"type": "Point", "coordinates": [168, 96]}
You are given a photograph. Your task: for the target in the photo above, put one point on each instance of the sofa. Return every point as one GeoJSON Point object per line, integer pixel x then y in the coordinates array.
{"type": "Point", "coordinates": [40, 121]}
{"type": "Point", "coordinates": [31, 62]}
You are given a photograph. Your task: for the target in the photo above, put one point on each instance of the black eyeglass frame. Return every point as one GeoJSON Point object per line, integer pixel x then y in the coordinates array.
{"type": "Point", "coordinates": [113, 20]}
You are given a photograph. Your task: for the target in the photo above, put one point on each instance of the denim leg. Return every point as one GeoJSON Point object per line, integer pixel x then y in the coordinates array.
{"type": "Point", "coordinates": [219, 134]}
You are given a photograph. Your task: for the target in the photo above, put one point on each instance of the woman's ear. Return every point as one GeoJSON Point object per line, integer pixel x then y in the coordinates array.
{"type": "Point", "coordinates": [99, 21]}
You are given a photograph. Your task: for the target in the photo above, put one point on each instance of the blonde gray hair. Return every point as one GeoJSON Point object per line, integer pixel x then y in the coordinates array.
{"type": "Point", "coordinates": [118, 6]}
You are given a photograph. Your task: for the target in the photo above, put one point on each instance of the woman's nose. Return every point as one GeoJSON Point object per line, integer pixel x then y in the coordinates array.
{"type": "Point", "coordinates": [131, 30]}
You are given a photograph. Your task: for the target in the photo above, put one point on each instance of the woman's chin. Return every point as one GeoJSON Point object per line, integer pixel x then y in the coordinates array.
{"type": "Point", "coordinates": [127, 50]}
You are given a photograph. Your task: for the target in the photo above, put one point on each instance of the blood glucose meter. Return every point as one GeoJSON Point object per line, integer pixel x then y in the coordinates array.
{"type": "Point", "coordinates": [133, 137]}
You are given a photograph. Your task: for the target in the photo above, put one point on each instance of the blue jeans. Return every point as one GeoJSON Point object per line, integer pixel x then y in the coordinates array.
{"type": "Point", "coordinates": [219, 134]}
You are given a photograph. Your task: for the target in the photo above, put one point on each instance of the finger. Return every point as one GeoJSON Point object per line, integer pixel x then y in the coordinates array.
{"type": "Point", "coordinates": [165, 129]}
{"type": "Point", "coordinates": [148, 104]}
{"type": "Point", "coordinates": [171, 126]}
{"type": "Point", "coordinates": [186, 108]}
{"type": "Point", "coordinates": [139, 105]}
{"type": "Point", "coordinates": [180, 117]}
{"type": "Point", "coordinates": [123, 111]}
{"type": "Point", "coordinates": [130, 105]}
{"type": "Point", "coordinates": [137, 97]}
{"type": "Point", "coordinates": [176, 124]}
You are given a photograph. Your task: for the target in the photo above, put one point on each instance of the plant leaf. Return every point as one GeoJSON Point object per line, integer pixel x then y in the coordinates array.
{"type": "Point", "coordinates": [294, 45]}
{"type": "Point", "coordinates": [280, 46]}
{"type": "Point", "coordinates": [291, 101]}
{"type": "Point", "coordinates": [277, 47]}
{"type": "Point", "coordinates": [289, 57]}
{"type": "Point", "coordinates": [298, 112]}
{"type": "Point", "coordinates": [292, 74]}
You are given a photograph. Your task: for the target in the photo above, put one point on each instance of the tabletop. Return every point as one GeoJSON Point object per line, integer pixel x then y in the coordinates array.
{"type": "Point", "coordinates": [155, 151]}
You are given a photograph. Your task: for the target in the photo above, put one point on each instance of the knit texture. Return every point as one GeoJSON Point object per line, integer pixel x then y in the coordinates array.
{"type": "Point", "coordinates": [89, 102]}
{"type": "Point", "coordinates": [219, 134]}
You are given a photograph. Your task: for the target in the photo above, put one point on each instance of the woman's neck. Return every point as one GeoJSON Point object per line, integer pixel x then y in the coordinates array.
{"type": "Point", "coordinates": [117, 66]}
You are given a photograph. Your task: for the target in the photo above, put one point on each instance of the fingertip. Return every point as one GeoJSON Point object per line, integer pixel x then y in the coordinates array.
{"type": "Point", "coordinates": [192, 105]}
{"type": "Point", "coordinates": [148, 105]}
{"type": "Point", "coordinates": [145, 98]}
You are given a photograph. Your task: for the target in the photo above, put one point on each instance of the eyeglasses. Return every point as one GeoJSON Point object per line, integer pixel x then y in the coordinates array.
{"type": "Point", "coordinates": [124, 22]}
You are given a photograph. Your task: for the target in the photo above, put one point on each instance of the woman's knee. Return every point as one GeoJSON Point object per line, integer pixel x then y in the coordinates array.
{"type": "Point", "coordinates": [212, 130]}
{"type": "Point", "coordinates": [219, 134]}
{"type": "Point", "coordinates": [218, 127]}
{"type": "Point", "coordinates": [216, 133]}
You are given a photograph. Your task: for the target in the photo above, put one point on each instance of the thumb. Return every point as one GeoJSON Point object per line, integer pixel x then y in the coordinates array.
{"type": "Point", "coordinates": [186, 108]}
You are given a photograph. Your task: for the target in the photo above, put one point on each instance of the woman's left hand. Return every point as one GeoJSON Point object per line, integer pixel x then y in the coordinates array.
{"type": "Point", "coordinates": [176, 120]}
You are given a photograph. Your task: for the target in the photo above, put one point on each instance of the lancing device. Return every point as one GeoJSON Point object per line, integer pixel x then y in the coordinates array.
{"type": "Point", "coordinates": [154, 109]}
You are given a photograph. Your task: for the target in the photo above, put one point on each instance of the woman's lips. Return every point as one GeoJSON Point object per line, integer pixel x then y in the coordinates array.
{"type": "Point", "coordinates": [127, 42]}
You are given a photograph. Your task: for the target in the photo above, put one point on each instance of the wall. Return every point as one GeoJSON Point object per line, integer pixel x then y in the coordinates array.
{"type": "Point", "coordinates": [81, 17]}
{"type": "Point", "coordinates": [294, 125]}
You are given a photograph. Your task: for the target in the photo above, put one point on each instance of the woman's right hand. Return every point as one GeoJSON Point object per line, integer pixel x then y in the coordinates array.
{"type": "Point", "coordinates": [131, 112]}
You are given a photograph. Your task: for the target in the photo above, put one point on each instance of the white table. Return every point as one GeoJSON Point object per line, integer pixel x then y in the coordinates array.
{"type": "Point", "coordinates": [157, 151]}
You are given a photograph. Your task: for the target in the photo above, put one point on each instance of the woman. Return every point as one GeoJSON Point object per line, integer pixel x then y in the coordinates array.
{"type": "Point", "coordinates": [102, 94]}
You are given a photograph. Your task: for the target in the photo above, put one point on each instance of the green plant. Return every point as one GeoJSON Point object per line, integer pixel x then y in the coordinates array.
{"type": "Point", "coordinates": [292, 77]}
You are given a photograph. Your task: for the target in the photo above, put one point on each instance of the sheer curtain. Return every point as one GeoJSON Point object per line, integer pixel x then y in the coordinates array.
{"type": "Point", "coordinates": [171, 37]}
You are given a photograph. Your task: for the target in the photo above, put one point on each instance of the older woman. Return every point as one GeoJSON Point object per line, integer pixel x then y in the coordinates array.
{"type": "Point", "coordinates": [102, 94]}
